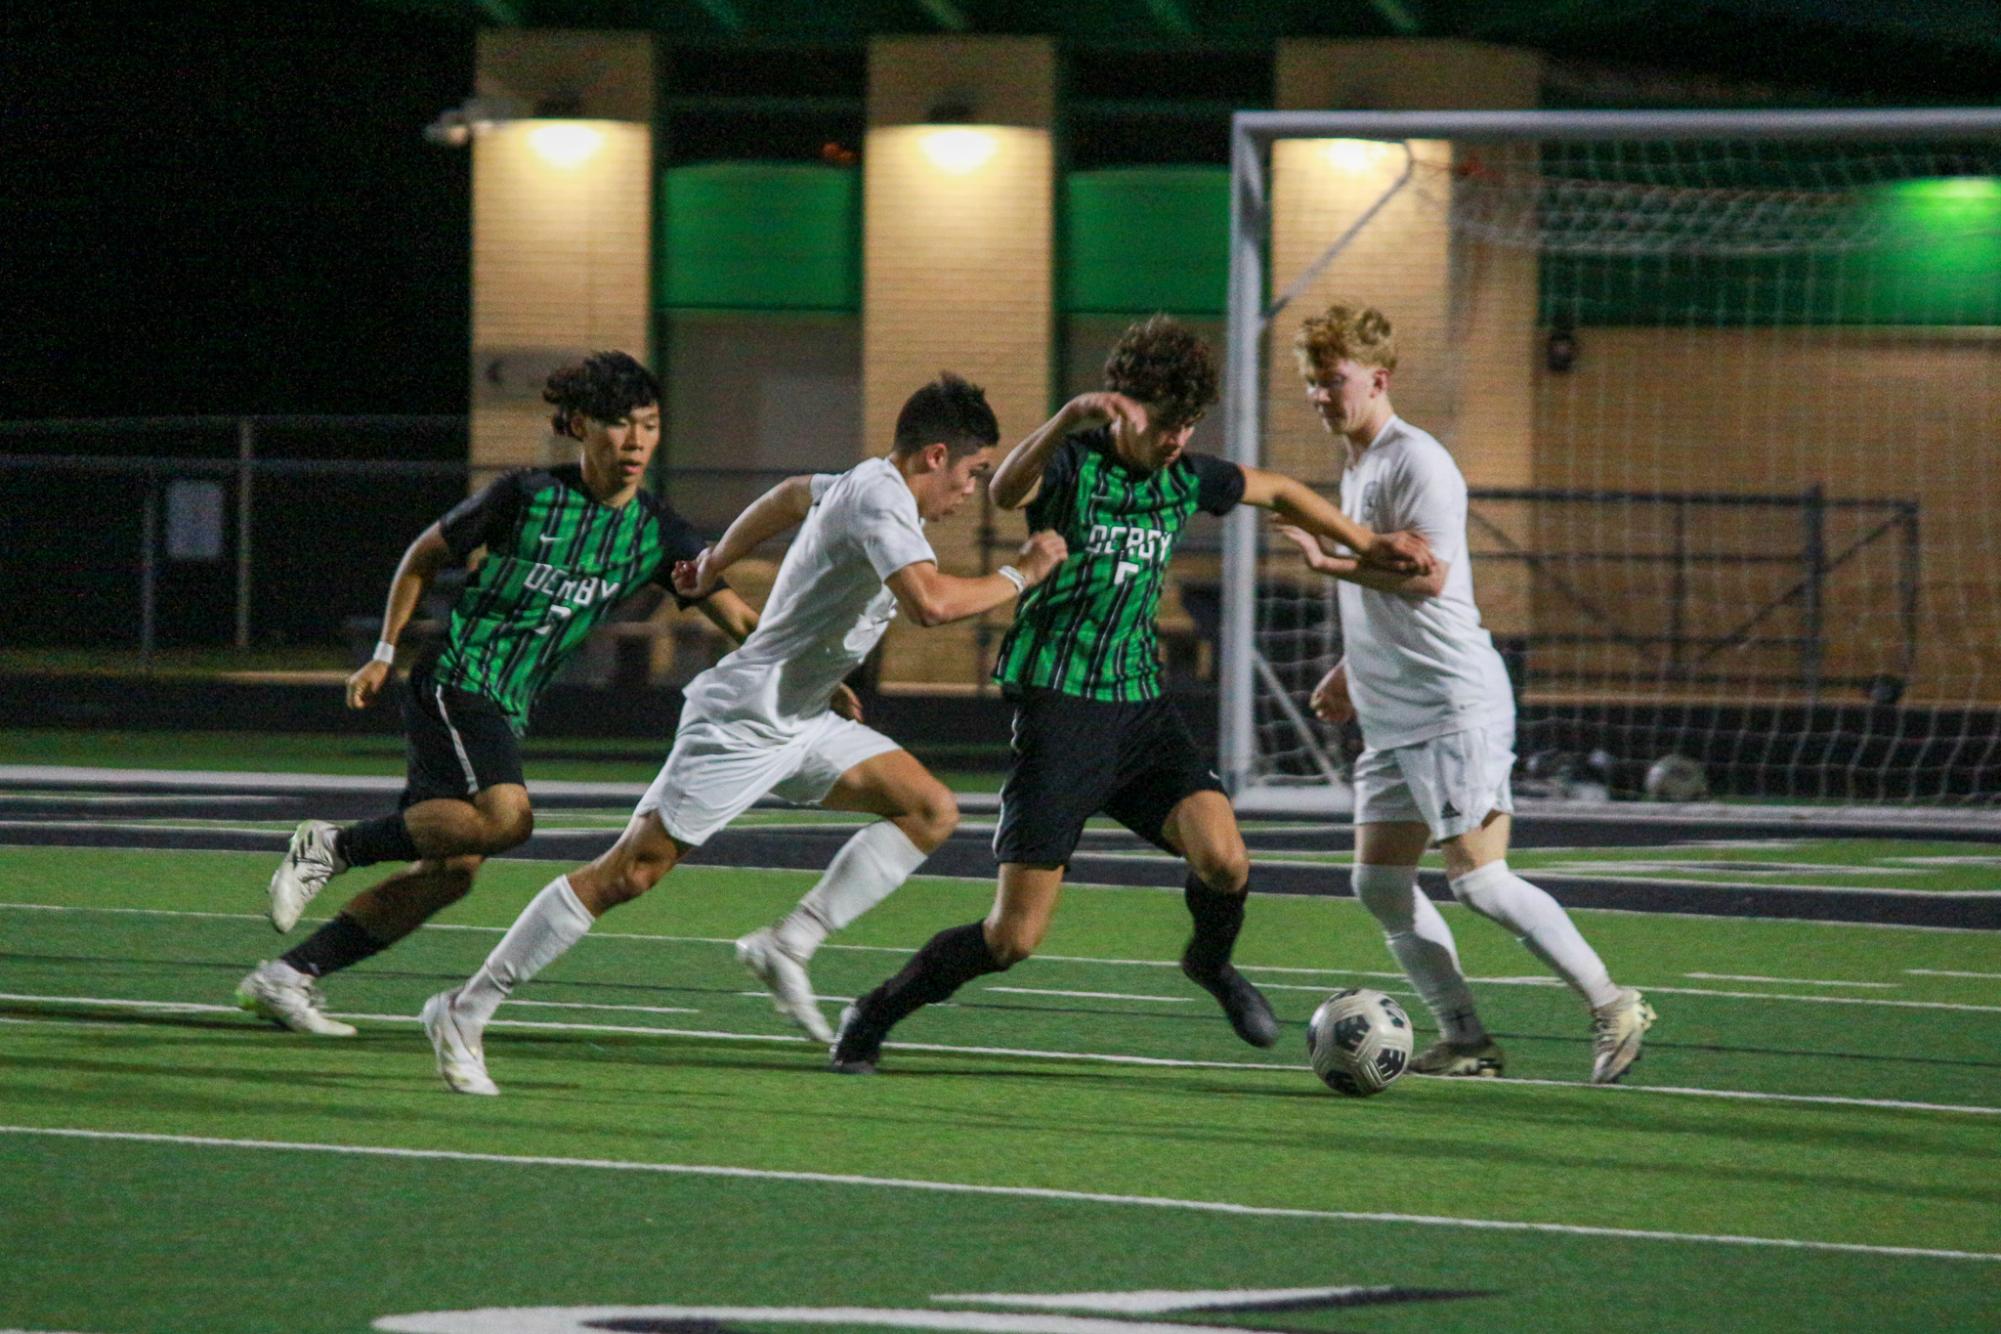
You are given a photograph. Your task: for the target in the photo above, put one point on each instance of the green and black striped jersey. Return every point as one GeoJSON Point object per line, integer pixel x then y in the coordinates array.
{"type": "Point", "coordinates": [556, 563]}
{"type": "Point", "coordinates": [1088, 629]}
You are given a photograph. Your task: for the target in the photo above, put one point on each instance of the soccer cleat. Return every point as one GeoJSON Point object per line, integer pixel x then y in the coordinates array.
{"type": "Point", "coordinates": [289, 999]}
{"type": "Point", "coordinates": [1245, 1006]}
{"type": "Point", "coordinates": [309, 863]}
{"type": "Point", "coordinates": [1482, 1059]}
{"type": "Point", "coordinates": [1616, 1031]}
{"type": "Point", "coordinates": [461, 1063]}
{"type": "Point", "coordinates": [856, 1047]}
{"type": "Point", "coordinates": [785, 977]}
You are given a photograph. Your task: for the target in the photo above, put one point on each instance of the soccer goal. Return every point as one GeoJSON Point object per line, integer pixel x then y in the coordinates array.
{"type": "Point", "coordinates": [1726, 389]}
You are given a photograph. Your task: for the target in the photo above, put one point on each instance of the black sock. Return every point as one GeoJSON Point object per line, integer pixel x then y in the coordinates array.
{"type": "Point", "coordinates": [947, 962]}
{"type": "Point", "coordinates": [1218, 918]}
{"type": "Point", "coordinates": [339, 944]}
{"type": "Point", "coordinates": [383, 839]}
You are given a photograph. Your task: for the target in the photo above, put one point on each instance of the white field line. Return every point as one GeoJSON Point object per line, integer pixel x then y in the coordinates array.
{"type": "Point", "coordinates": [1258, 969]}
{"type": "Point", "coordinates": [1789, 981]}
{"type": "Point", "coordinates": [1089, 995]}
{"type": "Point", "coordinates": [1028, 1053]}
{"type": "Point", "coordinates": [1949, 972]}
{"type": "Point", "coordinates": [590, 1005]}
{"type": "Point", "coordinates": [1007, 1192]}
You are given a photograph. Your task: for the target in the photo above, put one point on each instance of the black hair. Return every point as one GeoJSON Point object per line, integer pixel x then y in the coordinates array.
{"type": "Point", "coordinates": [1166, 365]}
{"type": "Point", "coordinates": [950, 409]}
{"type": "Point", "coordinates": [604, 385]}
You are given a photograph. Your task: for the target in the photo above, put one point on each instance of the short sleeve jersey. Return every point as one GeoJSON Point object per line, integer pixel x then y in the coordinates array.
{"type": "Point", "coordinates": [1088, 630]}
{"type": "Point", "coordinates": [828, 607]}
{"type": "Point", "coordinates": [557, 562]}
{"type": "Point", "coordinates": [1418, 668]}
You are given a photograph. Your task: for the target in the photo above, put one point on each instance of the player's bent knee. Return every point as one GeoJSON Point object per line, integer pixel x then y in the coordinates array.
{"type": "Point", "coordinates": [940, 815]}
{"type": "Point", "coordinates": [1010, 946]}
{"type": "Point", "coordinates": [455, 877]}
{"type": "Point", "coordinates": [1226, 872]}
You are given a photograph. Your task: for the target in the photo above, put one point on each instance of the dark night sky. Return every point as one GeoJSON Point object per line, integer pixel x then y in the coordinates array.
{"type": "Point", "coordinates": [228, 207]}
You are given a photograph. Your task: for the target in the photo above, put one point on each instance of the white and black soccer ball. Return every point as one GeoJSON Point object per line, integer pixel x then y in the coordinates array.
{"type": "Point", "coordinates": [1358, 1041]}
{"type": "Point", "coordinates": [1676, 778]}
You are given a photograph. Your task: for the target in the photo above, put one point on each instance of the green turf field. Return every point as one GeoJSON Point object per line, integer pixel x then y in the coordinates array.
{"type": "Point", "coordinates": [1809, 1144]}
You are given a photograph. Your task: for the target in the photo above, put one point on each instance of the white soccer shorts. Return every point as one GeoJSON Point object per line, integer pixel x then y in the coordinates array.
{"type": "Point", "coordinates": [717, 771]}
{"type": "Point", "coordinates": [1449, 783]}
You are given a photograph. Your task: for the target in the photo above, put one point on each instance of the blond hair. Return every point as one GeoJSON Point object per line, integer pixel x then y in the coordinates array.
{"type": "Point", "coordinates": [1356, 333]}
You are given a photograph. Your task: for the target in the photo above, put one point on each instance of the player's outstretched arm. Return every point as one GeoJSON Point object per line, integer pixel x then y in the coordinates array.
{"type": "Point", "coordinates": [1330, 701]}
{"type": "Point", "coordinates": [1427, 585]}
{"type": "Point", "coordinates": [728, 613]}
{"type": "Point", "coordinates": [783, 506]}
{"type": "Point", "coordinates": [1306, 508]}
{"type": "Point", "coordinates": [930, 597]}
{"type": "Point", "coordinates": [1019, 475]}
{"type": "Point", "coordinates": [420, 564]}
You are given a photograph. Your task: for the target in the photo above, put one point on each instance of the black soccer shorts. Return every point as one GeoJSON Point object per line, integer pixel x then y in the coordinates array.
{"type": "Point", "coordinates": [1076, 757]}
{"type": "Point", "coordinates": [458, 743]}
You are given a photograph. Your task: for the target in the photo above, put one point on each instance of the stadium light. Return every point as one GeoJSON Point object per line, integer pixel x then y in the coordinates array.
{"type": "Point", "coordinates": [960, 149]}
{"type": "Point", "coordinates": [566, 144]}
{"type": "Point", "coordinates": [1355, 155]}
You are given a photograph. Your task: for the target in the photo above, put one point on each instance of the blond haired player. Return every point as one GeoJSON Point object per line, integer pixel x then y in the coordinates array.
{"type": "Point", "coordinates": [1422, 677]}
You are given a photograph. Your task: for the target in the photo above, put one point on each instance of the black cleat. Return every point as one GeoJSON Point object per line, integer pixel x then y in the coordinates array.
{"type": "Point", "coordinates": [1246, 1007]}
{"type": "Point", "coordinates": [857, 1047]}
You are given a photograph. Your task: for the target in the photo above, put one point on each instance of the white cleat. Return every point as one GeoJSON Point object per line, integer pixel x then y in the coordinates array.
{"type": "Point", "coordinates": [290, 999]}
{"type": "Point", "coordinates": [309, 863]}
{"type": "Point", "coordinates": [1616, 1032]}
{"type": "Point", "coordinates": [461, 1061]}
{"type": "Point", "coordinates": [785, 977]}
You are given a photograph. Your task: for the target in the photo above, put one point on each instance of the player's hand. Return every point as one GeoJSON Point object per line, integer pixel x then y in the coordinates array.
{"type": "Point", "coordinates": [1087, 412]}
{"type": "Point", "coordinates": [696, 579]}
{"type": "Point", "coordinates": [366, 684]}
{"type": "Point", "coordinates": [1040, 555]}
{"type": "Point", "coordinates": [1405, 553]}
{"type": "Point", "coordinates": [1330, 700]}
{"type": "Point", "coordinates": [846, 703]}
{"type": "Point", "coordinates": [1309, 546]}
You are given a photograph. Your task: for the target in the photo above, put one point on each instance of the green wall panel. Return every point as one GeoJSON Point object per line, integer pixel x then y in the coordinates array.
{"type": "Point", "coordinates": [760, 236]}
{"type": "Point", "coordinates": [1140, 239]}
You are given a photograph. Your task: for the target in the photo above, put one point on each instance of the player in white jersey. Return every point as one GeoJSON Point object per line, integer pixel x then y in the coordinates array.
{"type": "Point", "coordinates": [1422, 677]}
{"type": "Point", "coordinates": [767, 718]}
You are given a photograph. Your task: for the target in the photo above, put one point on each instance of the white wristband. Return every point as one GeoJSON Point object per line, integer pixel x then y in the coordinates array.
{"type": "Point", "coordinates": [1013, 576]}
{"type": "Point", "coordinates": [385, 651]}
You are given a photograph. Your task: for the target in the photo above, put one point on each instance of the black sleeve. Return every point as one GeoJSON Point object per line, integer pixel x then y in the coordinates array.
{"type": "Point", "coordinates": [484, 516]}
{"type": "Point", "coordinates": [1221, 482]}
{"type": "Point", "coordinates": [678, 542]}
{"type": "Point", "coordinates": [1058, 474]}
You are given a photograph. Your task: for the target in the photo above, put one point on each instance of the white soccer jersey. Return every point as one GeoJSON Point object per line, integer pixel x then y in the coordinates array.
{"type": "Point", "coordinates": [1418, 668]}
{"type": "Point", "coordinates": [828, 607]}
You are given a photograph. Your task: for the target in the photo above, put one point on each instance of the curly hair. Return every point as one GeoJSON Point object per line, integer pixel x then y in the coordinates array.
{"type": "Point", "coordinates": [950, 409]}
{"type": "Point", "coordinates": [1356, 333]}
{"type": "Point", "coordinates": [606, 386]}
{"type": "Point", "coordinates": [1164, 364]}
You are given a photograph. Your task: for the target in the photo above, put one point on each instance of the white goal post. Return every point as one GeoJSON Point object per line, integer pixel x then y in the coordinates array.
{"type": "Point", "coordinates": [1726, 387]}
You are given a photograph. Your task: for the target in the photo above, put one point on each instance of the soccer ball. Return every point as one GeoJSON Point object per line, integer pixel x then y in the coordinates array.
{"type": "Point", "coordinates": [1358, 1041]}
{"type": "Point", "coordinates": [1676, 778]}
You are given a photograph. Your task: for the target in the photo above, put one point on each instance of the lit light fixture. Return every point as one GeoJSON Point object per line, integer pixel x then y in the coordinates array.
{"type": "Point", "coordinates": [1354, 155]}
{"type": "Point", "coordinates": [566, 144]}
{"type": "Point", "coordinates": [960, 150]}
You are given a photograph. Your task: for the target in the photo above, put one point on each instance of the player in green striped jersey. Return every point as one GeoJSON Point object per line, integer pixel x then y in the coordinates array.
{"type": "Point", "coordinates": [1111, 473]}
{"type": "Point", "coordinates": [564, 545]}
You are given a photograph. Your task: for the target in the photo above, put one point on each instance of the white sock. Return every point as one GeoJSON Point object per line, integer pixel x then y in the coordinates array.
{"type": "Point", "coordinates": [1421, 943]}
{"type": "Point", "coordinates": [1541, 924]}
{"type": "Point", "coordinates": [553, 921]}
{"type": "Point", "coordinates": [866, 870]}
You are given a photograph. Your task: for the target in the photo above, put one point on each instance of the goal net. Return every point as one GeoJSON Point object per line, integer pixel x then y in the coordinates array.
{"type": "Point", "coordinates": [1726, 390]}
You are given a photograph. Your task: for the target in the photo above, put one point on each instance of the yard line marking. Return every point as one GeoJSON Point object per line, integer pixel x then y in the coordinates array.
{"type": "Point", "coordinates": [1036, 1054]}
{"type": "Point", "coordinates": [1088, 995]}
{"type": "Point", "coordinates": [1007, 1192]}
{"type": "Point", "coordinates": [1949, 972]}
{"type": "Point", "coordinates": [1794, 981]}
{"type": "Point", "coordinates": [1248, 969]}
{"type": "Point", "coordinates": [599, 1005]}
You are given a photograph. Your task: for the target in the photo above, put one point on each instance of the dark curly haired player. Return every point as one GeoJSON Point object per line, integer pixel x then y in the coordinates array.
{"type": "Point", "coordinates": [564, 545]}
{"type": "Point", "coordinates": [1111, 473]}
